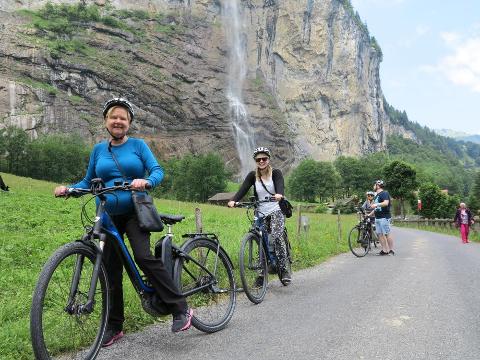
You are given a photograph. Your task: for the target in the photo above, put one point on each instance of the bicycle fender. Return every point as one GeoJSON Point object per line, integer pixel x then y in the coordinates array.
{"type": "Point", "coordinates": [184, 245]}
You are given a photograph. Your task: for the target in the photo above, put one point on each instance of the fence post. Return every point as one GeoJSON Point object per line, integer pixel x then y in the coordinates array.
{"type": "Point", "coordinates": [339, 228]}
{"type": "Point", "coordinates": [198, 221]}
{"type": "Point", "coordinates": [299, 220]}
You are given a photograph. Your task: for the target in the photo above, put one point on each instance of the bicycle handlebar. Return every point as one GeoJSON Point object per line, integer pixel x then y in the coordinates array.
{"type": "Point", "coordinates": [97, 190]}
{"type": "Point", "coordinates": [255, 203]}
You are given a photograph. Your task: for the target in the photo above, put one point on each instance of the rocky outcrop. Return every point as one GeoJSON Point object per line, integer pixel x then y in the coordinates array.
{"type": "Point", "coordinates": [313, 87]}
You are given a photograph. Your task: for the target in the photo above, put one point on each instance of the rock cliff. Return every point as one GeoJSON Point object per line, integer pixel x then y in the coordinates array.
{"type": "Point", "coordinates": [312, 87]}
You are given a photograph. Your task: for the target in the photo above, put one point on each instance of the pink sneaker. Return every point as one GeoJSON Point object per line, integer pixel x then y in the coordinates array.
{"type": "Point", "coordinates": [111, 336]}
{"type": "Point", "coordinates": [182, 322]}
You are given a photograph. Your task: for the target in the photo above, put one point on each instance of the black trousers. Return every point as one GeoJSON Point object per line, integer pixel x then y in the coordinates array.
{"type": "Point", "coordinates": [152, 267]}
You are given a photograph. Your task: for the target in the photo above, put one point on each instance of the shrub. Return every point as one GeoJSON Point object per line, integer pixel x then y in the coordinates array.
{"type": "Point", "coordinates": [321, 209]}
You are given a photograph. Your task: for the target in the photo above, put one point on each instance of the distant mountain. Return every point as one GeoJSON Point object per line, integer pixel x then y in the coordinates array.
{"type": "Point", "coordinates": [458, 135]}
{"type": "Point", "coordinates": [473, 138]}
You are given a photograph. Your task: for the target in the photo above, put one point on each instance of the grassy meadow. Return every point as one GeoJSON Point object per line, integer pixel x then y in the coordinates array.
{"type": "Point", "coordinates": [33, 224]}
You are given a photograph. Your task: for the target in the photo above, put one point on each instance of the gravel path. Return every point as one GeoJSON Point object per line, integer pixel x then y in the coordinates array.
{"type": "Point", "coordinates": [422, 303]}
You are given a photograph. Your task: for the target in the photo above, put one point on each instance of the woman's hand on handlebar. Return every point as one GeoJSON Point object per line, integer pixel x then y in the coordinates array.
{"type": "Point", "coordinates": [140, 185]}
{"type": "Point", "coordinates": [231, 204]}
{"type": "Point", "coordinates": [60, 191]}
{"type": "Point", "coordinates": [278, 197]}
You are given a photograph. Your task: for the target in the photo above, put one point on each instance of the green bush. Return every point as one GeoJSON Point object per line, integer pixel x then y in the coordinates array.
{"type": "Point", "coordinates": [193, 178]}
{"type": "Point", "coordinates": [60, 158]}
{"type": "Point", "coordinates": [345, 208]}
{"type": "Point", "coordinates": [321, 209]}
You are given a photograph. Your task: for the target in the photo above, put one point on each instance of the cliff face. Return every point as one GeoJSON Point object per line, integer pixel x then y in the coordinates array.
{"type": "Point", "coordinates": [312, 87]}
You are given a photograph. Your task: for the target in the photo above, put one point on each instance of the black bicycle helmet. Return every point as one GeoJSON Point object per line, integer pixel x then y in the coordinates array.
{"type": "Point", "coordinates": [119, 102]}
{"type": "Point", "coordinates": [261, 150]}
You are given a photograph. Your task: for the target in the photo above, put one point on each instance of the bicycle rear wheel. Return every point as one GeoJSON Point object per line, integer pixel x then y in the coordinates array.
{"type": "Point", "coordinates": [359, 241]}
{"type": "Point", "coordinates": [215, 303]}
{"type": "Point", "coordinates": [253, 268]}
{"type": "Point", "coordinates": [58, 326]}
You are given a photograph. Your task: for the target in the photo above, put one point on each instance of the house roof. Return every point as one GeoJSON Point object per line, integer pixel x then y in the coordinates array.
{"type": "Point", "coordinates": [222, 196]}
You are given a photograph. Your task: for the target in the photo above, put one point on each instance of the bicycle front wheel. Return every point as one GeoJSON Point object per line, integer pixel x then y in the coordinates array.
{"type": "Point", "coordinates": [253, 268]}
{"type": "Point", "coordinates": [207, 280]}
{"type": "Point", "coordinates": [60, 326]}
{"type": "Point", "coordinates": [358, 241]}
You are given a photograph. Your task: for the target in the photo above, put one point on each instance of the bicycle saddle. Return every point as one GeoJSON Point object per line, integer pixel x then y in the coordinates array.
{"type": "Point", "coordinates": [171, 219]}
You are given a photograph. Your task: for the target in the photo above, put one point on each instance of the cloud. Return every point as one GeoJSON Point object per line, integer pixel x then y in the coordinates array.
{"type": "Point", "coordinates": [462, 65]}
{"type": "Point", "coordinates": [421, 30]}
{"type": "Point", "coordinates": [450, 38]}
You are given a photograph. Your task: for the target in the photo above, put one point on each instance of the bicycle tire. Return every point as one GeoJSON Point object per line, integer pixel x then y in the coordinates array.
{"type": "Point", "coordinates": [355, 244]}
{"type": "Point", "coordinates": [254, 276]}
{"type": "Point", "coordinates": [214, 306]}
{"type": "Point", "coordinates": [56, 332]}
{"type": "Point", "coordinates": [288, 260]}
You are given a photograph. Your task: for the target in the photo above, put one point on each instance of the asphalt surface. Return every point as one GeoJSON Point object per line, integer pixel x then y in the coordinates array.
{"type": "Point", "coordinates": [422, 303]}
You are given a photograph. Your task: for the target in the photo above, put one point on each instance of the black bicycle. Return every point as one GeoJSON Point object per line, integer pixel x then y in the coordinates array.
{"type": "Point", "coordinates": [254, 261]}
{"type": "Point", "coordinates": [71, 300]}
{"type": "Point", "coordinates": [362, 236]}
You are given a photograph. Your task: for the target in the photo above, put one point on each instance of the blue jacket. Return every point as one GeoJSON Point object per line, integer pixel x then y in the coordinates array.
{"type": "Point", "coordinates": [135, 158]}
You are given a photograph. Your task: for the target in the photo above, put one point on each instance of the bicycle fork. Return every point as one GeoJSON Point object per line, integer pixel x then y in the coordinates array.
{"type": "Point", "coordinates": [87, 308]}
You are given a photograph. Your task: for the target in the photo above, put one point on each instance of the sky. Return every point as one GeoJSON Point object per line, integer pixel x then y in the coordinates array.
{"type": "Point", "coordinates": [431, 59]}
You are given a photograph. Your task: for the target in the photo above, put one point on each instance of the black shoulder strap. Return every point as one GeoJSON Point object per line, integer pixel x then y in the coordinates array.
{"type": "Point", "coordinates": [265, 187]}
{"type": "Point", "coordinates": [116, 161]}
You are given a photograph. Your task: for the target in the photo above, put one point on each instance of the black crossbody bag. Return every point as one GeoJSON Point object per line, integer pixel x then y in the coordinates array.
{"type": "Point", "coordinates": [148, 218]}
{"type": "Point", "coordinates": [285, 206]}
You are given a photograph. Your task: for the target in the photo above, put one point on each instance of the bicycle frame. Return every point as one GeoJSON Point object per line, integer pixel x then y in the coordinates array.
{"type": "Point", "coordinates": [257, 230]}
{"type": "Point", "coordinates": [105, 230]}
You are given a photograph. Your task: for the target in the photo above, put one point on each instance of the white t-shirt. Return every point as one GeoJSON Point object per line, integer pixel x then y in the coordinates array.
{"type": "Point", "coordinates": [266, 208]}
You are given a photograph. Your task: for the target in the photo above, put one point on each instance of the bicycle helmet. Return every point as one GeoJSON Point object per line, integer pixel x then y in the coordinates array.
{"type": "Point", "coordinates": [370, 193]}
{"type": "Point", "coordinates": [261, 150]}
{"type": "Point", "coordinates": [379, 183]}
{"type": "Point", "coordinates": [119, 102]}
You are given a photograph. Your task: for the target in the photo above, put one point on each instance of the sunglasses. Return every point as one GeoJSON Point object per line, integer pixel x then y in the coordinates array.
{"type": "Point", "coordinates": [261, 159]}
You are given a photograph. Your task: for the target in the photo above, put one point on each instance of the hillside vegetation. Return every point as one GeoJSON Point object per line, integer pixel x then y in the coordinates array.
{"type": "Point", "coordinates": [449, 163]}
{"type": "Point", "coordinates": [34, 224]}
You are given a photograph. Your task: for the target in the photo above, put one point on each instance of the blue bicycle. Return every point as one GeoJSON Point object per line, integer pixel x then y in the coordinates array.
{"type": "Point", "coordinates": [255, 258]}
{"type": "Point", "coordinates": [71, 300]}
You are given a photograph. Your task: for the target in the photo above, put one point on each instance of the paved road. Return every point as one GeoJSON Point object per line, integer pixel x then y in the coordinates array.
{"type": "Point", "coordinates": [422, 303]}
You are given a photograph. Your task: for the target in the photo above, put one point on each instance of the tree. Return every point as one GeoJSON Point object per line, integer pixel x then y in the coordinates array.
{"type": "Point", "coordinates": [311, 179]}
{"type": "Point", "coordinates": [60, 158]}
{"type": "Point", "coordinates": [14, 145]}
{"type": "Point", "coordinates": [303, 181]}
{"type": "Point", "coordinates": [196, 178]}
{"type": "Point", "coordinates": [328, 182]}
{"type": "Point", "coordinates": [401, 180]}
{"type": "Point", "coordinates": [164, 190]}
{"type": "Point", "coordinates": [436, 204]}
{"type": "Point", "coordinates": [474, 198]}
{"type": "Point", "coordinates": [355, 177]}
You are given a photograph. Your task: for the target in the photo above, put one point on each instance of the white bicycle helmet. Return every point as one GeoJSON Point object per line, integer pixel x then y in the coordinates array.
{"type": "Point", "coordinates": [261, 150]}
{"type": "Point", "coordinates": [119, 102]}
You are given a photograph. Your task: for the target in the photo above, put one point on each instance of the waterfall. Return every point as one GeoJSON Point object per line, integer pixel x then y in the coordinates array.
{"type": "Point", "coordinates": [12, 97]}
{"type": "Point", "coordinates": [237, 71]}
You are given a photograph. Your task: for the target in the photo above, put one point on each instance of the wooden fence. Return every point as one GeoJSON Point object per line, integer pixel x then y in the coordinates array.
{"type": "Point", "coordinates": [441, 223]}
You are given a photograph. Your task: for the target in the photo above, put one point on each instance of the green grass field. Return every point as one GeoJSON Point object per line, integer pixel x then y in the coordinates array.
{"type": "Point", "coordinates": [34, 224]}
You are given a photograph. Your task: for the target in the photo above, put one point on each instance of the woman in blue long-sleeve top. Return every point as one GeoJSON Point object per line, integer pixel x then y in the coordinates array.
{"type": "Point", "coordinates": [135, 159]}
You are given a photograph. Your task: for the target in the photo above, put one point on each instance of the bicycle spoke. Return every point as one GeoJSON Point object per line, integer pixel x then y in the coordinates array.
{"type": "Point", "coordinates": [210, 286]}
{"type": "Point", "coordinates": [65, 331]}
